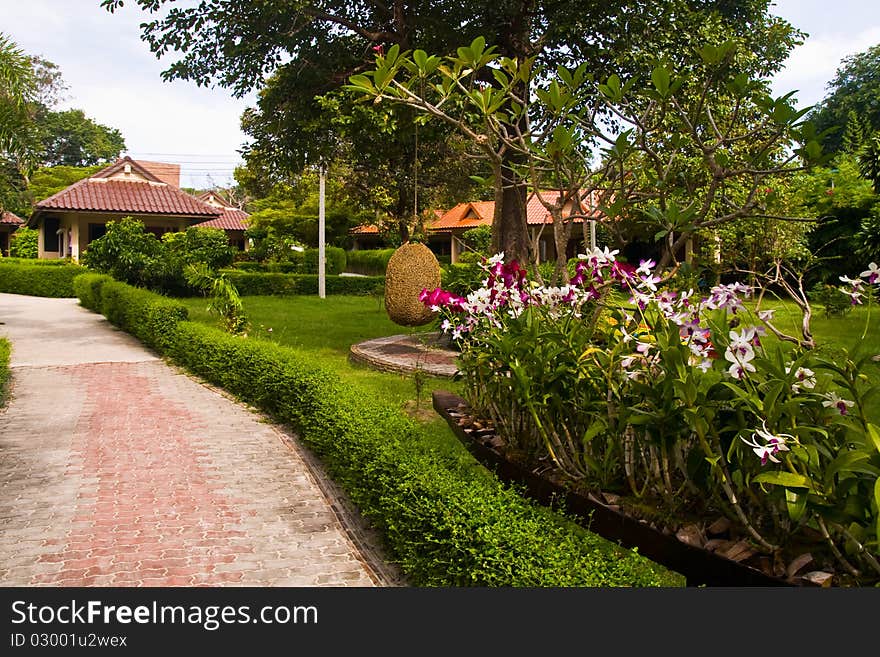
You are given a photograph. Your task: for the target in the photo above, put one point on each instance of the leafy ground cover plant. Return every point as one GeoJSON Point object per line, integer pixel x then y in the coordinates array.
{"type": "Point", "coordinates": [688, 403]}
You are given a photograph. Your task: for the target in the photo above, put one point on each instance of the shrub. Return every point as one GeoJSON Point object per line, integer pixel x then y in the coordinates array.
{"type": "Point", "coordinates": [832, 299]}
{"type": "Point", "coordinates": [38, 280]}
{"type": "Point", "coordinates": [5, 349]}
{"type": "Point", "coordinates": [252, 284]}
{"type": "Point", "coordinates": [247, 265]}
{"type": "Point", "coordinates": [127, 252]}
{"type": "Point", "coordinates": [24, 243]}
{"type": "Point", "coordinates": [150, 317]}
{"type": "Point", "coordinates": [54, 262]}
{"type": "Point", "coordinates": [479, 239]}
{"type": "Point", "coordinates": [334, 257]}
{"type": "Point", "coordinates": [372, 262]}
{"type": "Point", "coordinates": [88, 288]}
{"type": "Point", "coordinates": [445, 525]}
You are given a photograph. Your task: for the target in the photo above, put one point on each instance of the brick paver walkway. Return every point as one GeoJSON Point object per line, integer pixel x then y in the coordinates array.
{"type": "Point", "coordinates": [131, 473]}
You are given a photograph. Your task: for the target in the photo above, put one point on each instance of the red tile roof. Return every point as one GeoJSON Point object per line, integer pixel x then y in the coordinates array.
{"type": "Point", "coordinates": [7, 218]}
{"type": "Point", "coordinates": [481, 213]}
{"type": "Point", "coordinates": [465, 215]}
{"type": "Point", "coordinates": [364, 229]}
{"type": "Point", "coordinates": [138, 191]}
{"type": "Point", "coordinates": [164, 171]}
{"type": "Point", "coordinates": [231, 219]}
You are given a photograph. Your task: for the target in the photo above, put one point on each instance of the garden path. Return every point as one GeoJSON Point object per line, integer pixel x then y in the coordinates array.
{"type": "Point", "coordinates": [117, 469]}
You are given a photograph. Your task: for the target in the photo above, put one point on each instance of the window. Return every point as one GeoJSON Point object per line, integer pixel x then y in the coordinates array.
{"type": "Point", "coordinates": [97, 231]}
{"type": "Point", "coordinates": [50, 234]}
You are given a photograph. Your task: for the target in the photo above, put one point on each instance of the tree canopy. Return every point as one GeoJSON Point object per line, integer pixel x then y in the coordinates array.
{"type": "Point", "coordinates": [853, 94]}
{"type": "Point", "coordinates": [309, 49]}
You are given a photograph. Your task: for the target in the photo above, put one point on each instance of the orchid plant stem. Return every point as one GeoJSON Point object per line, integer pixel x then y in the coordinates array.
{"type": "Point", "coordinates": [834, 549]}
{"type": "Point", "coordinates": [726, 483]}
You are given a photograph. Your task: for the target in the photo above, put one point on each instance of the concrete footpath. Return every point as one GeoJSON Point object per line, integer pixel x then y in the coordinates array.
{"type": "Point", "coordinates": [117, 469]}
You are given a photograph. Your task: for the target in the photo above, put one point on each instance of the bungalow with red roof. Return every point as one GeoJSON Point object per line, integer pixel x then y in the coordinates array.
{"type": "Point", "coordinates": [148, 191]}
{"type": "Point", "coordinates": [9, 223]}
{"type": "Point", "coordinates": [232, 220]}
{"type": "Point", "coordinates": [444, 235]}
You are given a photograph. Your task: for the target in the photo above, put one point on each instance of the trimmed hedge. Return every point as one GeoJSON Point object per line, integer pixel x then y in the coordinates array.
{"type": "Point", "coordinates": [251, 283]}
{"type": "Point", "coordinates": [305, 262]}
{"type": "Point", "coordinates": [148, 316]}
{"type": "Point", "coordinates": [38, 280]}
{"type": "Point", "coordinates": [54, 262]}
{"type": "Point", "coordinates": [5, 351]}
{"type": "Point", "coordinates": [369, 262]}
{"type": "Point", "coordinates": [87, 288]}
{"type": "Point", "coordinates": [445, 525]}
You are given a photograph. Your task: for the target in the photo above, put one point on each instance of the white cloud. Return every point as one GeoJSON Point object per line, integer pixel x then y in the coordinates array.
{"type": "Point", "coordinates": [814, 64]}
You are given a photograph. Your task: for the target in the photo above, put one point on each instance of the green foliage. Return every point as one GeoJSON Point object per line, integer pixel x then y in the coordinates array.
{"type": "Point", "coordinates": [150, 317]}
{"type": "Point", "coordinates": [840, 199]}
{"type": "Point", "coordinates": [87, 287]}
{"type": "Point", "coordinates": [208, 246]}
{"type": "Point", "coordinates": [853, 91]}
{"type": "Point", "coordinates": [833, 301]}
{"type": "Point", "coordinates": [46, 181]}
{"type": "Point", "coordinates": [131, 254]}
{"type": "Point", "coordinates": [869, 160]}
{"type": "Point", "coordinates": [225, 301]}
{"type": "Point", "coordinates": [479, 239]}
{"type": "Point", "coordinates": [252, 283]}
{"type": "Point", "coordinates": [462, 278]}
{"type": "Point", "coordinates": [70, 138]}
{"type": "Point", "coordinates": [127, 252]}
{"type": "Point", "coordinates": [369, 262]}
{"type": "Point", "coordinates": [37, 280]}
{"type": "Point", "coordinates": [5, 349]}
{"type": "Point", "coordinates": [868, 237]}
{"type": "Point", "coordinates": [334, 256]}
{"type": "Point", "coordinates": [24, 243]}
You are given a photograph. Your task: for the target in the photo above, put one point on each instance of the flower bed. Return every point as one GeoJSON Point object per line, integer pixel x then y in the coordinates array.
{"type": "Point", "coordinates": [685, 406]}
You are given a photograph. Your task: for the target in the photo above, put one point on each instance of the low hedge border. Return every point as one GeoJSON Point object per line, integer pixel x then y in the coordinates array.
{"type": "Point", "coordinates": [263, 284]}
{"type": "Point", "coordinates": [445, 526]}
{"type": "Point", "coordinates": [37, 262]}
{"type": "Point", "coordinates": [5, 352]}
{"type": "Point", "coordinates": [38, 280]}
{"type": "Point", "coordinates": [370, 262]}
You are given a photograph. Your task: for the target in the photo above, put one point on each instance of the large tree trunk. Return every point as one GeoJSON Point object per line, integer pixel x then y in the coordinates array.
{"type": "Point", "coordinates": [510, 232]}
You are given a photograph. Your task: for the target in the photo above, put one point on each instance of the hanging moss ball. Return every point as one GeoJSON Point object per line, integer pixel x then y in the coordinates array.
{"type": "Point", "coordinates": [411, 269]}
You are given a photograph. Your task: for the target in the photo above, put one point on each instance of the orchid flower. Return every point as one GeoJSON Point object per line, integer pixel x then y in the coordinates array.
{"type": "Point", "coordinates": [773, 444]}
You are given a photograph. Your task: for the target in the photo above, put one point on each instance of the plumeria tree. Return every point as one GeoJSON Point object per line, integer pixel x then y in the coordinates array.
{"type": "Point", "coordinates": [678, 153]}
{"type": "Point", "coordinates": [625, 383]}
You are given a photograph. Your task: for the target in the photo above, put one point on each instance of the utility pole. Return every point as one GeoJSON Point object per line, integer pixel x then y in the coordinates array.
{"type": "Point", "coordinates": [322, 277]}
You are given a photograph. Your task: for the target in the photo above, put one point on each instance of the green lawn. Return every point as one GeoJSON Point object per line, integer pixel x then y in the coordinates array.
{"type": "Point", "coordinates": [325, 329]}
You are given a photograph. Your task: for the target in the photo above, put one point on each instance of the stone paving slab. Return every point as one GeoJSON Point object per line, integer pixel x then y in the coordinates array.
{"type": "Point", "coordinates": [135, 474]}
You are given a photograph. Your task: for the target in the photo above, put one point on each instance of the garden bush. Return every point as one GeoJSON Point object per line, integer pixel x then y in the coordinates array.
{"type": "Point", "coordinates": [247, 265]}
{"type": "Point", "coordinates": [444, 525]}
{"type": "Point", "coordinates": [5, 350]}
{"type": "Point", "coordinates": [54, 262]}
{"type": "Point", "coordinates": [148, 316]}
{"type": "Point", "coordinates": [88, 288]}
{"type": "Point", "coordinates": [24, 243]}
{"type": "Point", "coordinates": [253, 284]}
{"type": "Point", "coordinates": [370, 262]}
{"type": "Point", "coordinates": [334, 257]}
{"type": "Point", "coordinates": [38, 280]}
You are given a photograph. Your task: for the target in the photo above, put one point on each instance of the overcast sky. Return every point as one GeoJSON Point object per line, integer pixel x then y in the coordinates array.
{"type": "Point", "coordinates": [115, 79]}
